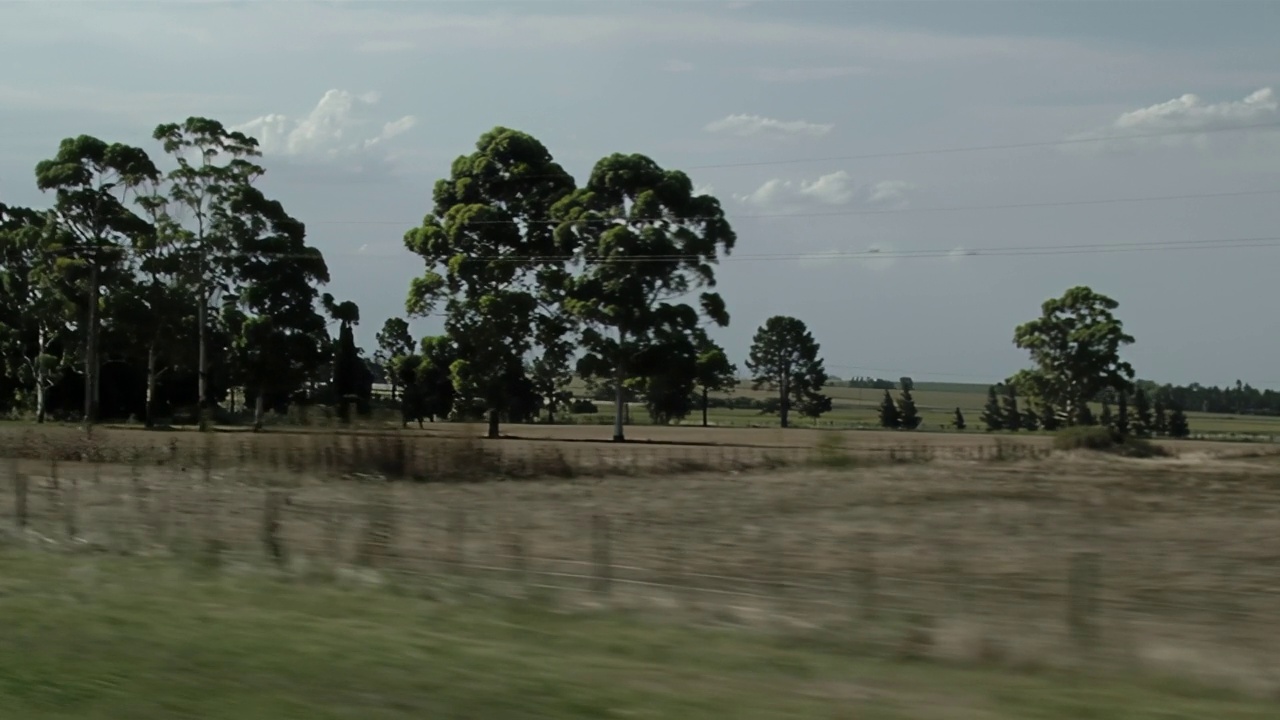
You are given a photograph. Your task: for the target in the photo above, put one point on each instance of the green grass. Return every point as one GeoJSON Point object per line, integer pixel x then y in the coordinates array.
{"type": "Point", "coordinates": [100, 637]}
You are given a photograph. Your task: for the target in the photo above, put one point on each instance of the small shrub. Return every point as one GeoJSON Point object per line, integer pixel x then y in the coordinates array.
{"type": "Point", "coordinates": [1101, 439]}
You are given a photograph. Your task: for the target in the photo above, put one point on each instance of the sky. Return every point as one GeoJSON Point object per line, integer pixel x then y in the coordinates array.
{"type": "Point", "coordinates": [910, 179]}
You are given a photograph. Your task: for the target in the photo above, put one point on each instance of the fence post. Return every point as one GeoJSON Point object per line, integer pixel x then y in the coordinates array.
{"type": "Point", "coordinates": [1082, 597]}
{"type": "Point", "coordinates": [272, 511]}
{"type": "Point", "coordinates": [602, 575]}
{"type": "Point", "coordinates": [20, 499]}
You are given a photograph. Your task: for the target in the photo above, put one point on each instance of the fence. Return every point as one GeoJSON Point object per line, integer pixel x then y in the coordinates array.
{"type": "Point", "coordinates": [1010, 569]}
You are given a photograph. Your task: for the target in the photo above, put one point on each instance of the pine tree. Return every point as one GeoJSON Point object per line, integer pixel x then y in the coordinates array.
{"type": "Point", "coordinates": [992, 416]}
{"type": "Point", "coordinates": [908, 415]}
{"type": "Point", "coordinates": [1085, 415]}
{"type": "Point", "coordinates": [958, 422]}
{"type": "Point", "coordinates": [1030, 420]}
{"type": "Point", "coordinates": [889, 413]}
{"type": "Point", "coordinates": [1123, 428]}
{"type": "Point", "coordinates": [1142, 421]}
{"type": "Point", "coordinates": [1012, 417]}
{"type": "Point", "coordinates": [1178, 423]}
{"type": "Point", "coordinates": [1161, 422]}
{"type": "Point", "coordinates": [1105, 418]}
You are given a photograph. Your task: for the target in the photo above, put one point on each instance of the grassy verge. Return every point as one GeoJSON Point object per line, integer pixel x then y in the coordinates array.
{"type": "Point", "coordinates": [97, 637]}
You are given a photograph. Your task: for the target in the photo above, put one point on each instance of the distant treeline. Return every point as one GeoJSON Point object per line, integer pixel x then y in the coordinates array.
{"type": "Point", "coordinates": [1238, 399]}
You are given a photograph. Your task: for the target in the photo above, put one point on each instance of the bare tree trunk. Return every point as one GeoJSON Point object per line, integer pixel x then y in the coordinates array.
{"type": "Point", "coordinates": [620, 404]}
{"type": "Point", "coordinates": [151, 386]}
{"type": "Point", "coordinates": [493, 424]}
{"type": "Point", "coordinates": [704, 407]}
{"type": "Point", "coordinates": [784, 403]}
{"type": "Point", "coordinates": [40, 374]}
{"type": "Point", "coordinates": [91, 349]}
{"type": "Point", "coordinates": [202, 367]}
{"type": "Point", "coordinates": [259, 405]}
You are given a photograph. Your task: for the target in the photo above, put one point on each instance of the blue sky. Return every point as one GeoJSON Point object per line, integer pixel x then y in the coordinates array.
{"type": "Point", "coordinates": [362, 105]}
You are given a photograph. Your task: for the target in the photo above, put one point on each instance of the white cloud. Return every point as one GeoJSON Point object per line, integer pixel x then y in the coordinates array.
{"type": "Point", "coordinates": [743, 125]}
{"type": "Point", "coordinates": [830, 190]}
{"type": "Point", "coordinates": [1191, 112]}
{"type": "Point", "coordinates": [336, 127]}
{"type": "Point", "coordinates": [1186, 116]}
{"type": "Point", "coordinates": [678, 66]}
{"type": "Point", "coordinates": [810, 74]}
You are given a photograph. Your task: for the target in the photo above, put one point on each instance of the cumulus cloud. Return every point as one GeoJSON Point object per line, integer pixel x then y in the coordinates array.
{"type": "Point", "coordinates": [831, 190]}
{"type": "Point", "coordinates": [1186, 115]}
{"type": "Point", "coordinates": [742, 125]}
{"type": "Point", "coordinates": [338, 126]}
{"type": "Point", "coordinates": [809, 74]}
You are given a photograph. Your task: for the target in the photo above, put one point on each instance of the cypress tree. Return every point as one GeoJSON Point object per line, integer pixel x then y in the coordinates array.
{"type": "Point", "coordinates": [908, 415]}
{"type": "Point", "coordinates": [1012, 417]}
{"type": "Point", "coordinates": [1030, 420]}
{"type": "Point", "coordinates": [992, 416]}
{"type": "Point", "coordinates": [889, 412]}
{"type": "Point", "coordinates": [958, 422]}
{"type": "Point", "coordinates": [1178, 423]}
{"type": "Point", "coordinates": [1160, 424]}
{"type": "Point", "coordinates": [1142, 420]}
{"type": "Point", "coordinates": [1122, 416]}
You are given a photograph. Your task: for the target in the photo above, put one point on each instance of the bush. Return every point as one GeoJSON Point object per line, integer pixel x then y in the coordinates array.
{"type": "Point", "coordinates": [1101, 439]}
{"type": "Point", "coordinates": [583, 406]}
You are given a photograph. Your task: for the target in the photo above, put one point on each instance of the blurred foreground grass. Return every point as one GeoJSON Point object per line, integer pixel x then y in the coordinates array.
{"type": "Point", "coordinates": [100, 637]}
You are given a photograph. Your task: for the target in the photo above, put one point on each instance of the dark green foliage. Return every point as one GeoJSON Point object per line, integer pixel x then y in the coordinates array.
{"type": "Point", "coordinates": [1143, 422]}
{"type": "Point", "coordinates": [1101, 439]}
{"type": "Point", "coordinates": [908, 414]}
{"type": "Point", "coordinates": [1178, 427]}
{"type": "Point", "coordinates": [992, 414]}
{"type": "Point", "coordinates": [1009, 412]}
{"type": "Point", "coordinates": [1122, 426]}
{"type": "Point", "coordinates": [1160, 421]}
{"type": "Point", "coordinates": [784, 357]}
{"type": "Point", "coordinates": [1075, 345]}
{"type": "Point", "coordinates": [714, 373]}
{"type": "Point", "coordinates": [1049, 418]}
{"type": "Point", "coordinates": [958, 421]}
{"type": "Point", "coordinates": [889, 417]}
{"type": "Point", "coordinates": [1105, 418]}
{"type": "Point", "coordinates": [1030, 420]}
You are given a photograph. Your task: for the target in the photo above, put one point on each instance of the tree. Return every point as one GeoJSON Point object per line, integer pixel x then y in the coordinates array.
{"type": "Point", "coordinates": [551, 370]}
{"type": "Point", "coordinates": [814, 406]}
{"type": "Point", "coordinates": [36, 310]}
{"type": "Point", "coordinates": [907, 384]}
{"type": "Point", "coordinates": [1160, 423]}
{"type": "Point", "coordinates": [908, 415]}
{"type": "Point", "coordinates": [644, 240]}
{"type": "Point", "coordinates": [348, 368]}
{"type": "Point", "coordinates": [958, 422]}
{"type": "Point", "coordinates": [1123, 427]}
{"type": "Point", "coordinates": [492, 260]}
{"type": "Point", "coordinates": [784, 357]}
{"type": "Point", "coordinates": [1075, 345]}
{"type": "Point", "coordinates": [93, 183]}
{"type": "Point", "coordinates": [714, 373]}
{"type": "Point", "coordinates": [1178, 427]}
{"type": "Point", "coordinates": [889, 417]}
{"type": "Point", "coordinates": [394, 341]}
{"type": "Point", "coordinates": [1105, 418]}
{"type": "Point", "coordinates": [992, 415]}
{"type": "Point", "coordinates": [1011, 415]}
{"type": "Point", "coordinates": [1049, 417]}
{"type": "Point", "coordinates": [1030, 420]}
{"type": "Point", "coordinates": [277, 329]}
{"type": "Point", "coordinates": [1143, 423]}
{"type": "Point", "coordinates": [213, 172]}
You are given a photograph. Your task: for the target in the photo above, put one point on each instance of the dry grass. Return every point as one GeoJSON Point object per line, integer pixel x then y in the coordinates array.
{"type": "Point", "coordinates": [957, 551]}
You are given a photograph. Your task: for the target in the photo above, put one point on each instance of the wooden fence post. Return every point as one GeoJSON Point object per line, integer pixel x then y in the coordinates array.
{"type": "Point", "coordinates": [1083, 580]}
{"type": "Point", "coordinates": [602, 575]}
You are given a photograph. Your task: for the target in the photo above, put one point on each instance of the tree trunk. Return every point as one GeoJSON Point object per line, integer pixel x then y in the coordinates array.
{"type": "Point", "coordinates": [784, 402]}
{"type": "Point", "coordinates": [493, 424]}
{"type": "Point", "coordinates": [393, 392]}
{"type": "Point", "coordinates": [259, 405]}
{"type": "Point", "coordinates": [704, 407]}
{"type": "Point", "coordinates": [202, 365]}
{"type": "Point", "coordinates": [40, 375]}
{"type": "Point", "coordinates": [620, 407]}
{"type": "Point", "coordinates": [151, 386]}
{"type": "Point", "coordinates": [91, 349]}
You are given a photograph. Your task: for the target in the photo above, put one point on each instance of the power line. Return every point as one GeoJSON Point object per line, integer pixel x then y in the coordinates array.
{"type": "Point", "coordinates": [865, 211]}
{"type": "Point", "coordinates": [1002, 146]}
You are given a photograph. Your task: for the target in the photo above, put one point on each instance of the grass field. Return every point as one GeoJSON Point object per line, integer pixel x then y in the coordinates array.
{"type": "Point", "coordinates": [94, 637]}
{"type": "Point", "coordinates": [922, 576]}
